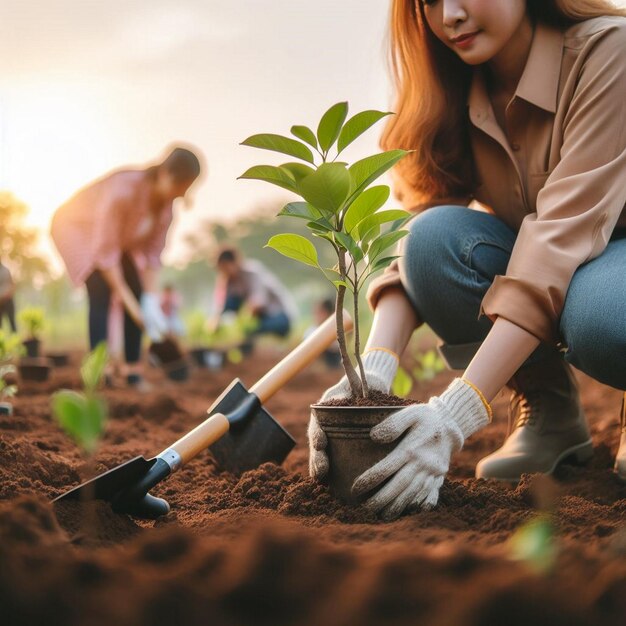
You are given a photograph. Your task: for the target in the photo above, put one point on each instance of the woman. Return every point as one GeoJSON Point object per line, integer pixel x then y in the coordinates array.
{"type": "Point", "coordinates": [111, 235]}
{"type": "Point", "coordinates": [518, 108]}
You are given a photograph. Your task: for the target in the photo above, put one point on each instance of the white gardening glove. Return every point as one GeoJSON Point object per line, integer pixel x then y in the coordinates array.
{"type": "Point", "coordinates": [417, 466]}
{"type": "Point", "coordinates": [380, 369]}
{"type": "Point", "coordinates": [154, 320]}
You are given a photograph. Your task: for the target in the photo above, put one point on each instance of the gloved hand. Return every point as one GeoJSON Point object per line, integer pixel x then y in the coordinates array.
{"type": "Point", "coordinates": [154, 320]}
{"type": "Point", "coordinates": [418, 464]}
{"type": "Point", "coordinates": [380, 369]}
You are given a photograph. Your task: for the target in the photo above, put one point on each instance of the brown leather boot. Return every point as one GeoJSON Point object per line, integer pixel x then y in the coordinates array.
{"type": "Point", "coordinates": [620, 459]}
{"type": "Point", "coordinates": [549, 423]}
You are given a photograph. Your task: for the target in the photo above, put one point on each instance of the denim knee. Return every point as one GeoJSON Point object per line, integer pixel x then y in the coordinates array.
{"type": "Point", "coordinates": [446, 246]}
{"type": "Point", "coordinates": [595, 344]}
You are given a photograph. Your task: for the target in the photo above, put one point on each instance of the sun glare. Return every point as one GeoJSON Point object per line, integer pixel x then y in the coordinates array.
{"type": "Point", "coordinates": [58, 143]}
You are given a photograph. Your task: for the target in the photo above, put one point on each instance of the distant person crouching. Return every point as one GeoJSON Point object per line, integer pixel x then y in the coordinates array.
{"type": "Point", "coordinates": [248, 283]}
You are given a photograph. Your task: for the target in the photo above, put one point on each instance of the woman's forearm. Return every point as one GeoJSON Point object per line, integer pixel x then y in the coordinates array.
{"type": "Point", "coordinates": [115, 279]}
{"type": "Point", "coordinates": [394, 321]}
{"type": "Point", "coordinates": [149, 280]}
{"type": "Point", "coordinates": [505, 348]}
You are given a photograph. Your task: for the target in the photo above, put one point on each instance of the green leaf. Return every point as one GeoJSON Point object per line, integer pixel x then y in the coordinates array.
{"type": "Point", "coordinates": [378, 219]}
{"type": "Point", "coordinates": [383, 263]}
{"type": "Point", "coordinates": [357, 125]}
{"type": "Point", "coordinates": [92, 368]}
{"type": "Point", "coordinates": [370, 168]}
{"type": "Point", "coordinates": [330, 125]}
{"type": "Point", "coordinates": [402, 383]}
{"type": "Point", "coordinates": [295, 247]}
{"type": "Point", "coordinates": [327, 188]}
{"type": "Point", "coordinates": [297, 170]}
{"type": "Point", "coordinates": [81, 417]}
{"type": "Point", "coordinates": [278, 143]}
{"type": "Point", "coordinates": [271, 174]}
{"type": "Point", "coordinates": [385, 241]}
{"type": "Point", "coordinates": [302, 210]}
{"type": "Point", "coordinates": [347, 242]}
{"type": "Point", "coordinates": [321, 225]}
{"type": "Point", "coordinates": [364, 205]}
{"type": "Point", "coordinates": [305, 134]}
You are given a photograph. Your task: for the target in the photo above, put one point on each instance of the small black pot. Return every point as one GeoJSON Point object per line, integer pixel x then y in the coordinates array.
{"type": "Point", "coordinates": [6, 408]}
{"type": "Point", "coordinates": [35, 369]}
{"type": "Point", "coordinates": [350, 449]}
{"type": "Point", "coordinates": [32, 346]}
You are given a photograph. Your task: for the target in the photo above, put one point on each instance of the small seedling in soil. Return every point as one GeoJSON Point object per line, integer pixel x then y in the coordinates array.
{"type": "Point", "coordinates": [83, 415]}
{"type": "Point", "coordinates": [10, 348]}
{"type": "Point", "coordinates": [534, 543]}
{"type": "Point", "coordinates": [429, 364]}
{"type": "Point", "coordinates": [339, 207]}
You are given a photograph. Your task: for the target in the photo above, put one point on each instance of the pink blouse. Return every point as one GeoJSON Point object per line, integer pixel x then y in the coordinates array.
{"type": "Point", "coordinates": [107, 218]}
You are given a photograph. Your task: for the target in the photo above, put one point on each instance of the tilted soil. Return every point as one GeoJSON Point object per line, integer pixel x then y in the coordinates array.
{"type": "Point", "coordinates": [274, 547]}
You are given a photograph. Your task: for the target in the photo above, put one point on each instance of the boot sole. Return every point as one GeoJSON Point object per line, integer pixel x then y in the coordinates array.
{"type": "Point", "coordinates": [581, 453]}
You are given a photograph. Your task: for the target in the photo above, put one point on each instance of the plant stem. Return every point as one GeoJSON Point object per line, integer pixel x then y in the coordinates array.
{"type": "Point", "coordinates": [353, 379]}
{"type": "Point", "coordinates": [357, 338]}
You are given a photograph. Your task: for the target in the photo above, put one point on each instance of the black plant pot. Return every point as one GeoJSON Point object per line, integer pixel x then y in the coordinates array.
{"type": "Point", "coordinates": [6, 408]}
{"type": "Point", "coordinates": [350, 449]}
{"type": "Point", "coordinates": [35, 369]}
{"type": "Point", "coordinates": [32, 346]}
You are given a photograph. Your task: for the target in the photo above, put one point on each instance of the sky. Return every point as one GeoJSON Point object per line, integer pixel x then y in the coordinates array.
{"type": "Point", "coordinates": [88, 86]}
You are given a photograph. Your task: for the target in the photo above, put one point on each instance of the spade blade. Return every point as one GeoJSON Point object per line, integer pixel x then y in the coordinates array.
{"type": "Point", "coordinates": [107, 485]}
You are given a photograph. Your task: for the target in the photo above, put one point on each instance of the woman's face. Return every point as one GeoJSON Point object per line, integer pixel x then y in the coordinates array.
{"type": "Point", "coordinates": [476, 30]}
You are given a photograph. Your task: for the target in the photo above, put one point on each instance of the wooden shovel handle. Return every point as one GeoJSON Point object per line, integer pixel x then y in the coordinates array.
{"type": "Point", "coordinates": [309, 350]}
{"type": "Point", "coordinates": [216, 426]}
{"type": "Point", "coordinates": [201, 437]}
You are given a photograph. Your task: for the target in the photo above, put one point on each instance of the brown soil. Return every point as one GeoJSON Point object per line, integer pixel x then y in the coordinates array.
{"type": "Point", "coordinates": [273, 547]}
{"type": "Point", "coordinates": [375, 398]}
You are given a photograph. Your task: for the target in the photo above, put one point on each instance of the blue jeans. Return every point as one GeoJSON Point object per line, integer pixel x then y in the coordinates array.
{"type": "Point", "coordinates": [269, 324]}
{"type": "Point", "coordinates": [454, 253]}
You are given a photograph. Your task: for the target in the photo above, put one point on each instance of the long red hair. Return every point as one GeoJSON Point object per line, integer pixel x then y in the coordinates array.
{"type": "Point", "coordinates": [431, 87]}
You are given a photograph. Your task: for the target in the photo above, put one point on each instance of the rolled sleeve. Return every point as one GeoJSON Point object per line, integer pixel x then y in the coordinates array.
{"type": "Point", "coordinates": [579, 205]}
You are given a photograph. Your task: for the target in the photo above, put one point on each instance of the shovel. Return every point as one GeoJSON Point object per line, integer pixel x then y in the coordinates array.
{"type": "Point", "coordinates": [241, 433]}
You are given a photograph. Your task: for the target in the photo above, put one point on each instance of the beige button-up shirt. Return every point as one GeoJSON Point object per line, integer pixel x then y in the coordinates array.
{"type": "Point", "coordinates": [557, 173]}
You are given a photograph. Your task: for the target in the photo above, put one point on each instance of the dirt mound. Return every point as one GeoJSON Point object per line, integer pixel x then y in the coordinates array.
{"type": "Point", "coordinates": [273, 547]}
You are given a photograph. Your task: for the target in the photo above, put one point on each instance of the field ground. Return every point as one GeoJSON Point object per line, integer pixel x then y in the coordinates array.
{"type": "Point", "coordinates": [273, 547]}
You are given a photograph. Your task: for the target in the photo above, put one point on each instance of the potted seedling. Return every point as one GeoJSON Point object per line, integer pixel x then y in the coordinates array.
{"type": "Point", "coordinates": [342, 209]}
{"type": "Point", "coordinates": [32, 366]}
{"type": "Point", "coordinates": [32, 319]}
{"type": "Point", "coordinates": [10, 347]}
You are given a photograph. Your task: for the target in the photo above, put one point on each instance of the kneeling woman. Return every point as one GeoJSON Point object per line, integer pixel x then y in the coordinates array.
{"type": "Point", "coordinates": [111, 235]}
{"type": "Point", "coordinates": [516, 109]}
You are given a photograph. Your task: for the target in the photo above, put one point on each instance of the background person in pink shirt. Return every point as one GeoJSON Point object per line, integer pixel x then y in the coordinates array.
{"type": "Point", "coordinates": [111, 234]}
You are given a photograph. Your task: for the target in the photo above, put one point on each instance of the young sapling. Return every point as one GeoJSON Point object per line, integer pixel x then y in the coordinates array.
{"type": "Point", "coordinates": [339, 206]}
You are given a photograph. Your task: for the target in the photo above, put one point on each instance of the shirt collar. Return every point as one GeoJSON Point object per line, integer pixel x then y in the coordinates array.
{"type": "Point", "coordinates": [539, 82]}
